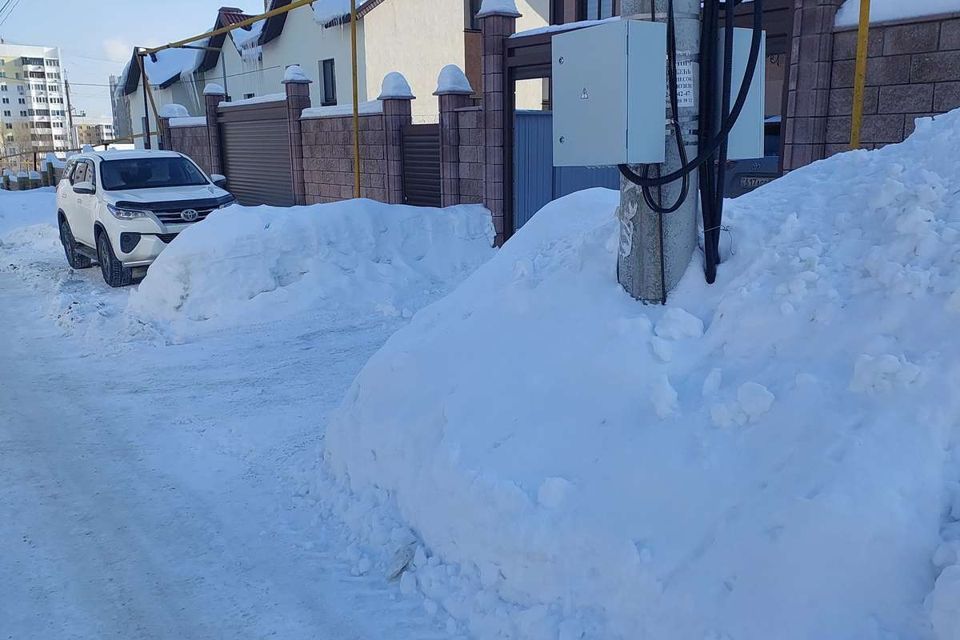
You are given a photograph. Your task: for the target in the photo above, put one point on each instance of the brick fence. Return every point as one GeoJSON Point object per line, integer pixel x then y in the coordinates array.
{"type": "Point", "coordinates": [321, 139]}
{"type": "Point", "coordinates": [913, 71]}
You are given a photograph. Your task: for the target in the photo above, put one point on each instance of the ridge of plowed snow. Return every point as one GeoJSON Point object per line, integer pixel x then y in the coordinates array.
{"type": "Point", "coordinates": [771, 457]}
{"type": "Point", "coordinates": [248, 264]}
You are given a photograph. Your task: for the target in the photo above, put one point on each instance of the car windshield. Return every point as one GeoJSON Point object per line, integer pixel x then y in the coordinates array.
{"type": "Point", "coordinates": [149, 173]}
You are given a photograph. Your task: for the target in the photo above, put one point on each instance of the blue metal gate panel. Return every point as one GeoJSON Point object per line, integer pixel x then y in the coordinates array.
{"type": "Point", "coordinates": [532, 164]}
{"type": "Point", "coordinates": [536, 181]}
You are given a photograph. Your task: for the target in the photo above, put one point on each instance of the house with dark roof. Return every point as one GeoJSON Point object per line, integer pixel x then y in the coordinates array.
{"type": "Point", "coordinates": [415, 37]}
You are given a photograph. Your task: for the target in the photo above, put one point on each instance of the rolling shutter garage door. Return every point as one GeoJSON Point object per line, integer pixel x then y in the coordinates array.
{"type": "Point", "coordinates": [256, 154]}
{"type": "Point", "coordinates": [421, 165]}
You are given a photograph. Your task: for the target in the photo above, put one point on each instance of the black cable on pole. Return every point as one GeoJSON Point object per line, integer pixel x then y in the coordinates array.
{"type": "Point", "coordinates": [728, 124]}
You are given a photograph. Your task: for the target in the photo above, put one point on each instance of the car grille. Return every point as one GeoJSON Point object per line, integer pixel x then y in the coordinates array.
{"type": "Point", "coordinates": [173, 217]}
{"type": "Point", "coordinates": [167, 238]}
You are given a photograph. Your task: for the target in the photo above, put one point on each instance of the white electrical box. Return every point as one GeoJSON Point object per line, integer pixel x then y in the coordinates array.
{"type": "Point", "coordinates": [746, 137]}
{"type": "Point", "coordinates": [609, 88]}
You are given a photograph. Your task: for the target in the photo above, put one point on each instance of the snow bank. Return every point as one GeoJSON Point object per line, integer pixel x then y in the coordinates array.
{"type": "Point", "coordinates": [251, 264]}
{"type": "Point", "coordinates": [772, 457]}
{"type": "Point", "coordinates": [881, 10]}
{"type": "Point", "coordinates": [25, 209]}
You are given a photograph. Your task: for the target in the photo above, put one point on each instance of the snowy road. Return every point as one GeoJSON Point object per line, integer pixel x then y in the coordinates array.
{"type": "Point", "coordinates": [146, 488]}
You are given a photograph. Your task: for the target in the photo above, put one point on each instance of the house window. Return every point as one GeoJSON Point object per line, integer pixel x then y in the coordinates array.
{"type": "Point", "coordinates": [247, 96]}
{"type": "Point", "coordinates": [597, 9]}
{"type": "Point", "coordinates": [473, 8]}
{"type": "Point", "coordinates": [329, 75]}
{"type": "Point", "coordinates": [7, 113]}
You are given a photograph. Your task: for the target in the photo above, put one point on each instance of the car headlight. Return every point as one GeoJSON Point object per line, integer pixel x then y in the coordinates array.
{"type": "Point", "coordinates": [121, 213]}
{"type": "Point", "coordinates": [227, 204]}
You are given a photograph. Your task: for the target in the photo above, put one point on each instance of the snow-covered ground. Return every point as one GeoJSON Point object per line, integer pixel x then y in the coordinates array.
{"type": "Point", "coordinates": [359, 421]}
{"type": "Point", "coordinates": [150, 464]}
{"type": "Point", "coordinates": [772, 457]}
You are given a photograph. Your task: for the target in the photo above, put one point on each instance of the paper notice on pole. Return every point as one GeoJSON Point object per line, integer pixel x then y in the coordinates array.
{"type": "Point", "coordinates": [685, 84]}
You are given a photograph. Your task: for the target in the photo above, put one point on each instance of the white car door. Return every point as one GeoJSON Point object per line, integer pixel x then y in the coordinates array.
{"type": "Point", "coordinates": [84, 205]}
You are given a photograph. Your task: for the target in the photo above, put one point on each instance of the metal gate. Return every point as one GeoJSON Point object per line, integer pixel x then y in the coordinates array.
{"type": "Point", "coordinates": [256, 153]}
{"type": "Point", "coordinates": [421, 165]}
{"type": "Point", "coordinates": [536, 181]}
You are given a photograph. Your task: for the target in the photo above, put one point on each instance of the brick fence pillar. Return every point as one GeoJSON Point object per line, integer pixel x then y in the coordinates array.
{"type": "Point", "coordinates": [165, 142]}
{"type": "Point", "coordinates": [213, 95]}
{"type": "Point", "coordinates": [297, 87]}
{"type": "Point", "coordinates": [454, 92]}
{"type": "Point", "coordinates": [497, 23]}
{"type": "Point", "coordinates": [397, 113]}
{"type": "Point", "coordinates": [808, 91]}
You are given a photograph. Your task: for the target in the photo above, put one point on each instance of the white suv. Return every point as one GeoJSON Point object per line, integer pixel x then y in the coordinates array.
{"type": "Point", "coordinates": [121, 208]}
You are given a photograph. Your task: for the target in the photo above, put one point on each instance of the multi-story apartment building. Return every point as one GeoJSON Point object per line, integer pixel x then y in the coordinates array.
{"type": "Point", "coordinates": [120, 104]}
{"type": "Point", "coordinates": [33, 110]}
{"type": "Point", "coordinates": [93, 131]}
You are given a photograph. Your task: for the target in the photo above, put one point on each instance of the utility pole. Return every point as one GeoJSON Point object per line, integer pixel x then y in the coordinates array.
{"type": "Point", "coordinates": [656, 249]}
{"type": "Point", "coordinates": [73, 134]}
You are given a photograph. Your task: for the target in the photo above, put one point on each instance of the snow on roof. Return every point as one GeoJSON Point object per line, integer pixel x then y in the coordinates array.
{"type": "Point", "coordinates": [498, 8]}
{"type": "Point", "coordinates": [559, 28]}
{"type": "Point", "coordinates": [453, 80]}
{"type": "Point", "coordinates": [214, 89]}
{"type": "Point", "coordinates": [294, 73]}
{"type": "Point", "coordinates": [247, 36]}
{"type": "Point", "coordinates": [170, 64]}
{"type": "Point", "coordinates": [395, 86]}
{"type": "Point", "coordinates": [883, 10]}
{"type": "Point", "coordinates": [366, 108]}
{"type": "Point", "coordinates": [270, 97]}
{"type": "Point", "coordinates": [173, 110]}
{"type": "Point", "coordinates": [325, 11]}
{"type": "Point", "coordinates": [190, 121]}
{"type": "Point", "coordinates": [87, 149]}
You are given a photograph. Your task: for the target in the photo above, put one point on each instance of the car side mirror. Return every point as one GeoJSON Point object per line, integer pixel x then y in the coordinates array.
{"type": "Point", "coordinates": [219, 180]}
{"type": "Point", "coordinates": [85, 188]}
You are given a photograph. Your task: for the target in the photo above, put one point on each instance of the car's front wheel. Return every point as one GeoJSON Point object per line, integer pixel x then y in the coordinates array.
{"type": "Point", "coordinates": [114, 273]}
{"type": "Point", "coordinates": [74, 258]}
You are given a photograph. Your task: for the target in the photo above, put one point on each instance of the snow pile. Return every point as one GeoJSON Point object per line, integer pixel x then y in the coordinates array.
{"type": "Point", "coordinates": [26, 208]}
{"type": "Point", "coordinates": [775, 456]}
{"type": "Point", "coordinates": [257, 263]}
{"type": "Point", "coordinates": [882, 10]}
{"type": "Point", "coordinates": [452, 80]}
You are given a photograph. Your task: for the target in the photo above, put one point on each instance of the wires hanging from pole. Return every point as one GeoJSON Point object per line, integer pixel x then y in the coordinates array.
{"type": "Point", "coordinates": [717, 117]}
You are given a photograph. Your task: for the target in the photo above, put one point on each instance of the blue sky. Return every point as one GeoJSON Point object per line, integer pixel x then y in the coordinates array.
{"type": "Point", "coordinates": [96, 37]}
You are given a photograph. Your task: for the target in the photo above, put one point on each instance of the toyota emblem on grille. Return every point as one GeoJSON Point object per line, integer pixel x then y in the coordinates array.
{"type": "Point", "coordinates": [189, 215]}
